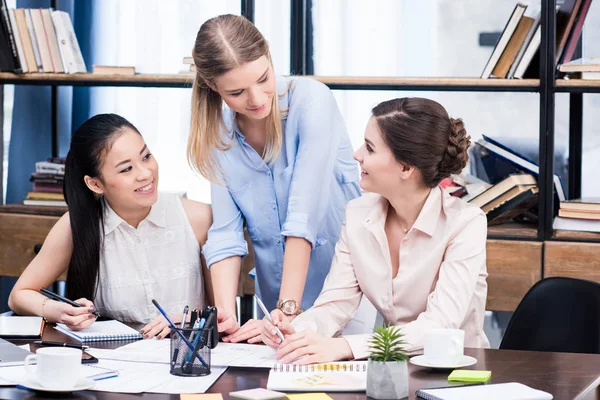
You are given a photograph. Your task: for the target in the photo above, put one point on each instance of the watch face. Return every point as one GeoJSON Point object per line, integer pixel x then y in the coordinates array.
{"type": "Point", "coordinates": [289, 307]}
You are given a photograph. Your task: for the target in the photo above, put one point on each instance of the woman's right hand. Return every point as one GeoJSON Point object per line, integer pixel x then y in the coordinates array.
{"type": "Point", "coordinates": [75, 318]}
{"type": "Point", "coordinates": [269, 334]}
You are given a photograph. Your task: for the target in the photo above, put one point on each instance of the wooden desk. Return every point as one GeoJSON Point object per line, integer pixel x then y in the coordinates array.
{"type": "Point", "coordinates": [562, 374]}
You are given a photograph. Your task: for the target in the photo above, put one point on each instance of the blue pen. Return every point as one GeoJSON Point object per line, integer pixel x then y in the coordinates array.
{"type": "Point", "coordinates": [172, 325]}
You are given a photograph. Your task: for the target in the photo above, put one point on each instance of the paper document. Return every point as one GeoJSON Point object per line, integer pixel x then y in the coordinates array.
{"type": "Point", "coordinates": [224, 355]}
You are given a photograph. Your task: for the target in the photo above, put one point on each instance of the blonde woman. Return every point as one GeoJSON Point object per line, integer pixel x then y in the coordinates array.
{"type": "Point", "coordinates": [280, 162]}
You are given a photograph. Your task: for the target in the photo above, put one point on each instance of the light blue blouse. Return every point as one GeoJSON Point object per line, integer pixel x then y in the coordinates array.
{"type": "Point", "coordinates": [302, 194]}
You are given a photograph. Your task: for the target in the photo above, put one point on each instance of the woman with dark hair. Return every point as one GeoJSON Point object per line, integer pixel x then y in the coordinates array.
{"type": "Point", "coordinates": [122, 242]}
{"type": "Point", "coordinates": [417, 253]}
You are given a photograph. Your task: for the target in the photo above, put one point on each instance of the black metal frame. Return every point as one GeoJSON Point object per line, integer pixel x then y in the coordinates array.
{"type": "Point", "coordinates": [575, 135]}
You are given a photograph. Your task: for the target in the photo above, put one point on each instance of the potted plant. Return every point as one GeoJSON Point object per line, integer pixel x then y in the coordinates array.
{"type": "Point", "coordinates": [387, 373]}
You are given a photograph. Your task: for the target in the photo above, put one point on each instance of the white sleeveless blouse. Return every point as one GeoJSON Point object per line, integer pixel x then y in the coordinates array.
{"type": "Point", "coordinates": [159, 260]}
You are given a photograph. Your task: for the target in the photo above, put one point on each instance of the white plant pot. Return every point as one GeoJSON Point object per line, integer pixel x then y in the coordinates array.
{"type": "Point", "coordinates": [387, 380]}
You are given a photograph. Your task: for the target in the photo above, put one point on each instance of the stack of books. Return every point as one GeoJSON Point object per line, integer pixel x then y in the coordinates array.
{"type": "Point", "coordinates": [516, 54]}
{"type": "Point", "coordinates": [579, 215]}
{"type": "Point", "coordinates": [38, 40]}
{"type": "Point", "coordinates": [47, 181]}
{"type": "Point", "coordinates": [188, 66]}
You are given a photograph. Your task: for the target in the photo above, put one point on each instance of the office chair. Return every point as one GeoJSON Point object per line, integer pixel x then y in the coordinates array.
{"type": "Point", "coordinates": [559, 315]}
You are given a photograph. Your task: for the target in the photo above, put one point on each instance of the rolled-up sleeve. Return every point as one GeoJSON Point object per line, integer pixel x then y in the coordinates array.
{"type": "Point", "coordinates": [226, 235]}
{"type": "Point", "coordinates": [339, 299]}
{"type": "Point", "coordinates": [447, 305]}
{"type": "Point", "coordinates": [321, 128]}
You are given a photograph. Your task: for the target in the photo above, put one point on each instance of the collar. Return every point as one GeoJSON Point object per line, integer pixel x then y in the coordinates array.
{"type": "Point", "coordinates": [426, 220]}
{"type": "Point", "coordinates": [157, 216]}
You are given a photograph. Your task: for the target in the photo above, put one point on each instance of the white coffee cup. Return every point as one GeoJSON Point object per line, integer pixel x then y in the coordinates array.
{"type": "Point", "coordinates": [57, 367]}
{"type": "Point", "coordinates": [444, 347]}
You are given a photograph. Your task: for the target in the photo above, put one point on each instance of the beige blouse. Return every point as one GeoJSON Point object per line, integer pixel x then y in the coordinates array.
{"type": "Point", "coordinates": [441, 282]}
{"type": "Point", "coordinates": [159, 260]}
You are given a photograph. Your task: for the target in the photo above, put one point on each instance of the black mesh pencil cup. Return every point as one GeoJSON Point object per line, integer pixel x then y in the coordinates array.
{"type": "Point", "coordinates": [190, 351]}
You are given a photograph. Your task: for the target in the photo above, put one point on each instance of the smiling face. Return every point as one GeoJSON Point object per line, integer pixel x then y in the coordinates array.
{"type": "Point", "coordinates": [380, 172]}
{"type": "Point", "coordinates": [249, 89]}
{"type": "Point", "coordinates": [128, 175]}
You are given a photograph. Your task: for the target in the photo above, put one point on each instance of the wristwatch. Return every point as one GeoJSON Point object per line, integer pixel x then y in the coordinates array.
{"type": "Point", "coordinates": [289, 307]}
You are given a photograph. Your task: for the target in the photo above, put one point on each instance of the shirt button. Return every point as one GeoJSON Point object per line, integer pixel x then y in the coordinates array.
{"type": "Point", "coordinates": [278, 240]}
{"type": "Point", "coordinates": [274, 207]}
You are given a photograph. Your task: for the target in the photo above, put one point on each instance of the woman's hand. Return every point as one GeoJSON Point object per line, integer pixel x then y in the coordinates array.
{"type": "Point", "coordinates": [226, 322]}
{"type": "Point", "coordinates": [75, 318]}
{"type": "Point", "coordinates": [269, 333]}
{"type": "Point", "coordinates": [308, 347]}
{"type": "Point", "coordinates": [250, 332]}
{"type": "Point", "coordinates": [159, 327]}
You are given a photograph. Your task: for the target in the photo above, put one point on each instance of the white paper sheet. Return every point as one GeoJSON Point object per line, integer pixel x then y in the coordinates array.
{"type": "Point", "coordinates": [224, 355]}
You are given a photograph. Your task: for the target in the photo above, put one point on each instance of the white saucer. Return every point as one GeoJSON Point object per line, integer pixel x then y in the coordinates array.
{"type": "Point", "coordinates": [82, 384]}
{"type": "Point", "coordinates": [464, 361]}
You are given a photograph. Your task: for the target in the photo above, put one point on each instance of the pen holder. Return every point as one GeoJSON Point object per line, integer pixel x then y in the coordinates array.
{"type": "Point", "coordinates": [185, 361]}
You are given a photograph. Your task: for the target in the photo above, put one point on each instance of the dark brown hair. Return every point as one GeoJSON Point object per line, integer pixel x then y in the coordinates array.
{"type": "Point", "coordinates": [421, 134]}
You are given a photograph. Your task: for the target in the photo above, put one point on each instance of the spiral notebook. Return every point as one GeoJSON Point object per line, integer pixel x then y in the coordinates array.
{"type": "Point", "coordinates": [101, 331]}
{"type": "Point", "coordinates": [331, 377]}
{"type": "Point", "coordinates": [499, 391]}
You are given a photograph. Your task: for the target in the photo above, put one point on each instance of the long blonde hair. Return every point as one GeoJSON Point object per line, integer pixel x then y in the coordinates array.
{"type": "Point", "coordinates": [222, 44]}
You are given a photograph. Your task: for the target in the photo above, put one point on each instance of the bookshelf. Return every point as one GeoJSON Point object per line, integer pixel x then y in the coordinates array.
{"type": "Point", "coordinates": [517, 255]}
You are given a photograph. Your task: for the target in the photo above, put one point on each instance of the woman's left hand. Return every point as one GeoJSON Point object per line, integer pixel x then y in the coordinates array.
{"type": "Point", "coordinates": [158, 328]}
{"type": "Point", "coordinates": [308, 347]}
{"type": "Point", "coordinates": [249, 332]}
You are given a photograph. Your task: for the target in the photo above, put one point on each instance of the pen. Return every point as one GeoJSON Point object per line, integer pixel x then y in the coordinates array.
{"type": "Point", "coordinates": [186, 364]}
{"type": "Point", "coordinates": [264, 310]}
{"type": "Point", "coordinates": [181, 336]}
{"type": "Point", "coordinates": [60, 344]}
{"type": "Point", "coordinates": [57, 297]}
{"type": "Point", "coordinates": [185, 313]}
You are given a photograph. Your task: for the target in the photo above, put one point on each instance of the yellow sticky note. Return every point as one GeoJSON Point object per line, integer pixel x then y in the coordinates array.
{"type": "Point", "coordinates": [309, 396]}
{"type": "Point", "coordinates": [202, 396]}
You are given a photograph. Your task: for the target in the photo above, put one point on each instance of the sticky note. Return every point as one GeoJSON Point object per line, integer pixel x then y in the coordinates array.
{"type": "Point", "coordinates": [202, 396]}
{"type": "Point", "coordinates": [257, 394]}
{"type": "Point", "coordinates": [309, 396]}
{"type": "Point", "coordinates": [465, 375]}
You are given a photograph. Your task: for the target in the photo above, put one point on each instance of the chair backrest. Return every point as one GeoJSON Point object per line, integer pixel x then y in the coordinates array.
{"type": "Point", "coordinates": [557, 314]}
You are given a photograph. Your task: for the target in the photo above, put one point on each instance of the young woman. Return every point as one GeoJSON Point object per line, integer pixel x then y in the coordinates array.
{"type": "Point", "coordinates": [281, 165]}
{"type": "Point", "coordinates": [122, 242]}
{"type": "Point", "coordinates": [417, 253]}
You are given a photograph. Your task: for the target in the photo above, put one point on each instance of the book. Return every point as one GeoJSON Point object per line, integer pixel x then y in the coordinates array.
{"type": "Point", "coordinates": [499, 161]}
{"type": "Point", "coordinates": [507, 33]}
{"type": "Point", "coordinates": [111, 70]}
{"type": "Point", "coordinates": [8, 34]}
{"type": "Point", "coordinates": [45, 196]}
{"type": "Point", "coordinates": [498, 391]}
{"type": "Point", "coordinates": [575, 34]}
{"type": "Point", "coordinates": [502, 187]}
{"type": "Point", "coordinates": [42, 41]}
{"type": "Point", "coordinates": [565, 18]}
{"type": "Point", "coordinates": [512, 48]}
{"type": "Point", "coordinates": [513, 208]}
{"type": "Point", "coordinates": [25, 40]}
{"type": "Point", "coordinates": [34, 43]}
{"type": "Point", "coordinates": [102, 331]}
{"type": "Point", "coordinates": [332, 377]}
{"type": "Point", "coordinates": [584, 64]}
{"type": "Point", "coordinates": [45, 203]}
{"type": "Point", "coordinates": [55, 57]}
{"type": "Point", "coordinates": [573, 224]}
{"type": "Point", "coordinates": [17, 327]}
{"type": "Point", "coordinates": [529, 56]}
{"type": "Point", "coordinates": [586, 204]}
{"type": "Point", "coordinates": [18, 43]}
{"type": "Point", "coordinates": [68, 44]}
{"type": "Point", "coordinates": [578, 214]}
{"type": "Point", "coordinates": [506, 197]}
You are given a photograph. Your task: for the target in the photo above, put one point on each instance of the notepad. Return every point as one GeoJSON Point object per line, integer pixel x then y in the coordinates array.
{"type": "Point", "coordinates": [309, 396]}
{"type": "Point", "coordinates": [101, 331]}
{"type": "Point", "coordinates": [500, 391]}
{"type": "Point", "coordinates": [13, 327]}
{"type": "Point", "coordinates": [467, 375]}
{"type": "Point", "coordinates": [331, 377]}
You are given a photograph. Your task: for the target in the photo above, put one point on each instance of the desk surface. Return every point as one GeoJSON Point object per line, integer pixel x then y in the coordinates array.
{"type": "Point", "coordinates": [562, 374]}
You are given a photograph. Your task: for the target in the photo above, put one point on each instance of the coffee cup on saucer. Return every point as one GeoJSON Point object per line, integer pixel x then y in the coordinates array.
{"type": "Point", "coordinates": [58, 368]}
{"type": "Point", "coordinates": [444, 347]}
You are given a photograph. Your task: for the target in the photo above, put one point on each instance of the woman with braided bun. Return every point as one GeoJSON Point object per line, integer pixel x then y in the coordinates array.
{"type": "Point", "coordinates": [417, 253]}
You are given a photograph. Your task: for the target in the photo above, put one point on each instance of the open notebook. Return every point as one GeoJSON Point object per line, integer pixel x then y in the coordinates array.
{"type": "Point", "coordinates": [332, 377]}
{"type": "Point", "coordinates": [17, 327]}
{"type": "Point", "coordinates": [499, 391]}
{"type": "Point", "coordinates": [102, 330]}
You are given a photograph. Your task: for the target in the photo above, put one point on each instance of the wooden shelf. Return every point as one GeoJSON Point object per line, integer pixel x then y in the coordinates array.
{"type": "Point", "coordinates": [512, 231]}
{"type": "Point", "coordinates": [578, 85]}
{"type": "Point", "coordinates": [335, 82]}
{"type": "Point", "coordinates": [576, 235]}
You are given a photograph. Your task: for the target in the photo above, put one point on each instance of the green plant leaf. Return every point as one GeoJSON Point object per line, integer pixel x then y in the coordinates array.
{"type": "Point", "coordinates": [386, 344]}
